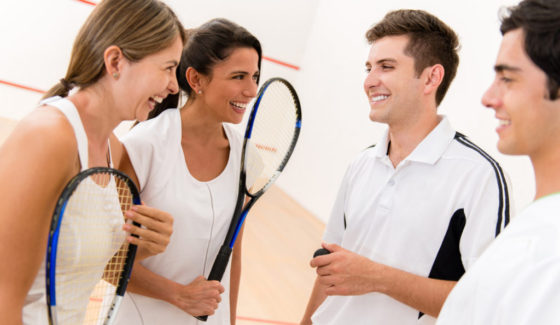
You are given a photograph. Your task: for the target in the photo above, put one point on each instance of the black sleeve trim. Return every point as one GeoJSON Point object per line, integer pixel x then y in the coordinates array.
{"type": "Point", "coordinates": [503, 208]}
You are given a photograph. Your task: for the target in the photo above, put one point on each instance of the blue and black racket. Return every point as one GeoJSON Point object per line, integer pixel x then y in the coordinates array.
{"type": "Point", "coordinates": [88, 260]}
{"type": "Point", "coordinates": [270, 138]}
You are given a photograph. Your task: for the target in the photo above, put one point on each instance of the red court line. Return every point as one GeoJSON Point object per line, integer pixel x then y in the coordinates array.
{"type": "Point", "coordinates": [282, 63]}
{"type": "Point", "coordinates": [22, 86]}
{"type": "Point", "coordinates": [288, 65]}
{"type": "Point", "coordinates": [88, 2]}
{"type": "Point", "coordinates": [257, 320]}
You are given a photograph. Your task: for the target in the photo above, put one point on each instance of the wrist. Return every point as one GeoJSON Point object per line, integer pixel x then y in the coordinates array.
{"type": "Point", "coordinates": [173, 293]}
{"type": "Point", "coordinates": [379, 278]}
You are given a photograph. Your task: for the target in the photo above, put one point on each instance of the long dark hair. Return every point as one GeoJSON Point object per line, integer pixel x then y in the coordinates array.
{"type": "Point", "coordinates": [207, 45]}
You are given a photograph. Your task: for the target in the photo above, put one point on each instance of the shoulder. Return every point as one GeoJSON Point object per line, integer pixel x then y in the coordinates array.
{"type": "Point", "coordinates": [45, 130]}
{"type": "Point", "coordinates": [43, 140]}
{"type": "Point", "coordinates": [168, 119]}
{"type": "Point", "coordinates": [464, 149]}
{"type": "Point", "coordinates": [150, 145]}
{"type": "Point", "coordinates": [234, 135]}
{"type": "Point", "coordinates": [156, 132]}
{"type": "Point", "coordinates": [364, 159]}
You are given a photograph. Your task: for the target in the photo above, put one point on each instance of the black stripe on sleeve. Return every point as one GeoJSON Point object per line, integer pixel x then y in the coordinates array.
{"type": "Point", "coordinates": [503, 208]}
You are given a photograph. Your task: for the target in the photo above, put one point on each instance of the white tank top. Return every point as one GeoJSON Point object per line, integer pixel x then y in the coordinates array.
{"type": "Point", "coordinates": [35, 311]}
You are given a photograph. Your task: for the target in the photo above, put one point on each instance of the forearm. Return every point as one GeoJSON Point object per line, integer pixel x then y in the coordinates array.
{"type": "Point", "coordinates": [346, 273]}
{"type": "Point", "coordinates": [234, 288]}
{"type": "Point", "coordinates": [235, 278]}
{"type": "Point", "coordinates": [147, 283]}
{"type": "Point", "coordinates": [10, 311]}
{"type": "Point", "coordinates": [317, 297]}
{"type": "Point", "coordinates": [424, 294]}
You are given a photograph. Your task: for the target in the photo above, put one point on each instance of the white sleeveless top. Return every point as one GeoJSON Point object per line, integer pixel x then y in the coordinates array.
{"type": "Point", "coordinates": [202, 212]}
{"type": "Point", "coordinates": [74, 222]}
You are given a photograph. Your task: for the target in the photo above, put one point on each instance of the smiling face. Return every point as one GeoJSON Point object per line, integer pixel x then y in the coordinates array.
{"type": "Point", "coordinates": [529, 122]}
{"type": "Point", "coordinates": [148, 81]}
{"type": "Point", "coordinates": [391, 85]}
{"type": "Point", "coordinates": [232, 85]}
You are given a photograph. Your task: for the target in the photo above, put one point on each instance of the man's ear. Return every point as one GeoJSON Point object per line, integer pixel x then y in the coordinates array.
{"type": "Point", "coordinates": [434, 76]}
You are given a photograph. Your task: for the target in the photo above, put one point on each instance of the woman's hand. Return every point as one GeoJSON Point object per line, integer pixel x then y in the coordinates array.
{"type": "Point", "coordinates": [155, 233]}
{"type": "Point", "coordinates": [200, 297]}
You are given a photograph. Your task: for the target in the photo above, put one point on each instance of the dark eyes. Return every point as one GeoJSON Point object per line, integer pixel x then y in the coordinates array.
{"type": "Point", "coordinates": [242, 76]}
{"type": "Point", "coordinates": [506, 80]}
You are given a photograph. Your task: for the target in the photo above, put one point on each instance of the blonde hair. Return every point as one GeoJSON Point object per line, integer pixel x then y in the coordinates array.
{"type": "Point", "coordinates": [139, 28]}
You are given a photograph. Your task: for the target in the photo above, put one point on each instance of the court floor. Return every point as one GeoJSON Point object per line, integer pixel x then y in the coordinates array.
{"type": "Point", "coordinates": [279, 240]}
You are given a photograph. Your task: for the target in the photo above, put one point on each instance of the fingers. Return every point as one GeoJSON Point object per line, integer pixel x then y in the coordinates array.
{"type": "Point", "coordinates": [156, 236]}
{"type": "Point", "coordinates": [331, 247]}
{"type": "Point", "coordinates": [202, 297]}
{"type": "Point", "coordinates": [151, 218]}
{"type": "Point", "coordinates": [155, 233]}
{"type": "Point", "coordinates": [210, 286]}
{"type": "Point", "coordinates": [321, 260]}
{"type": "Point", "coordinates": [218, 286]}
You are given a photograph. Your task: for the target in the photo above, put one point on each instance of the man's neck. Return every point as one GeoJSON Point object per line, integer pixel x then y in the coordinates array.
{"type": "Point", "coordinates": [547, 173]}
{"type": "Point", "coordinates": [405, 138]}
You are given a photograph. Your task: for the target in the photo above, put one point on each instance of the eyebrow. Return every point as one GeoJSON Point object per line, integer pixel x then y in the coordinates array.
{"type": "Point", "coordinates": [381, 61]}
{"type": "Point", "coordinates": [386, 60]}
{"type": "Point", "coordinates": [172, 62]}
{"type": "Point", "coordinates": [505, 67]}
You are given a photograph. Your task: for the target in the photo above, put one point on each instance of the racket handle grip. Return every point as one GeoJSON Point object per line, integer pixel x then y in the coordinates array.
{"type": "Point", "coordinates": [220, 264]}
{"type": "Point", "coordinates": [320, 251]}
{"type": "Point", "coordinates": [218, 270]}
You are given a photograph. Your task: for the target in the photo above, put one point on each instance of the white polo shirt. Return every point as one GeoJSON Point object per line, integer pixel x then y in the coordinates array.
{"type": "Point", "coordinates": [517, 279]}
{"type": "Point", "coordinates": [432, 215]}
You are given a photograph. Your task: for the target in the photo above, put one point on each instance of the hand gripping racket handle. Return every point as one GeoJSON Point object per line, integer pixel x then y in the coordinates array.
{"type": "Point", "coordinates": [218, 269]}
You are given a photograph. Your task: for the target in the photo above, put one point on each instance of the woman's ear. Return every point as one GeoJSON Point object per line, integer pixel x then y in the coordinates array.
{"type": "Point", "coordinates": [114, 60]}
{"type": "Point", "coordinates": [195, 79]}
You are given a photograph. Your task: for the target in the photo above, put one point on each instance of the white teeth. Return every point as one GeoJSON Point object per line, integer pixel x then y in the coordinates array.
{"type": "Point", "coordinates": [158, 99]}
{"type": "Point", "coordinates": [239, 105]}
{"type": "Point", "coordinates": [504, 122]}
{"type": "Point", "coordinates": [379, 98]}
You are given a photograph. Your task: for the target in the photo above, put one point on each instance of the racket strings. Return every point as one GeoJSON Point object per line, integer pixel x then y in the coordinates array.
{"type": "Point", "coordinates": [92, 249]}
{"type": "Point", "coordinates": [272, 136]}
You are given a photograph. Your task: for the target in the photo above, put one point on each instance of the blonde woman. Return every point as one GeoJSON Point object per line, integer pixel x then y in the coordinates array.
{"type": "Point", "coordinates": [122, 64]}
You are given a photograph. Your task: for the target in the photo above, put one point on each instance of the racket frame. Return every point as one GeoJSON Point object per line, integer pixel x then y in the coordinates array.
{"type": "Point", "coordinates": [54, 232]}
{"type": "Point", "coordinates": [240, 211]}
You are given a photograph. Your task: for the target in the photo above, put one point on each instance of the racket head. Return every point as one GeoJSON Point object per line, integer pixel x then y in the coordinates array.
{"type": "Point", "coordinates": [271, 135]}
{"type": "Point", "coordinates": [88, 260]}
